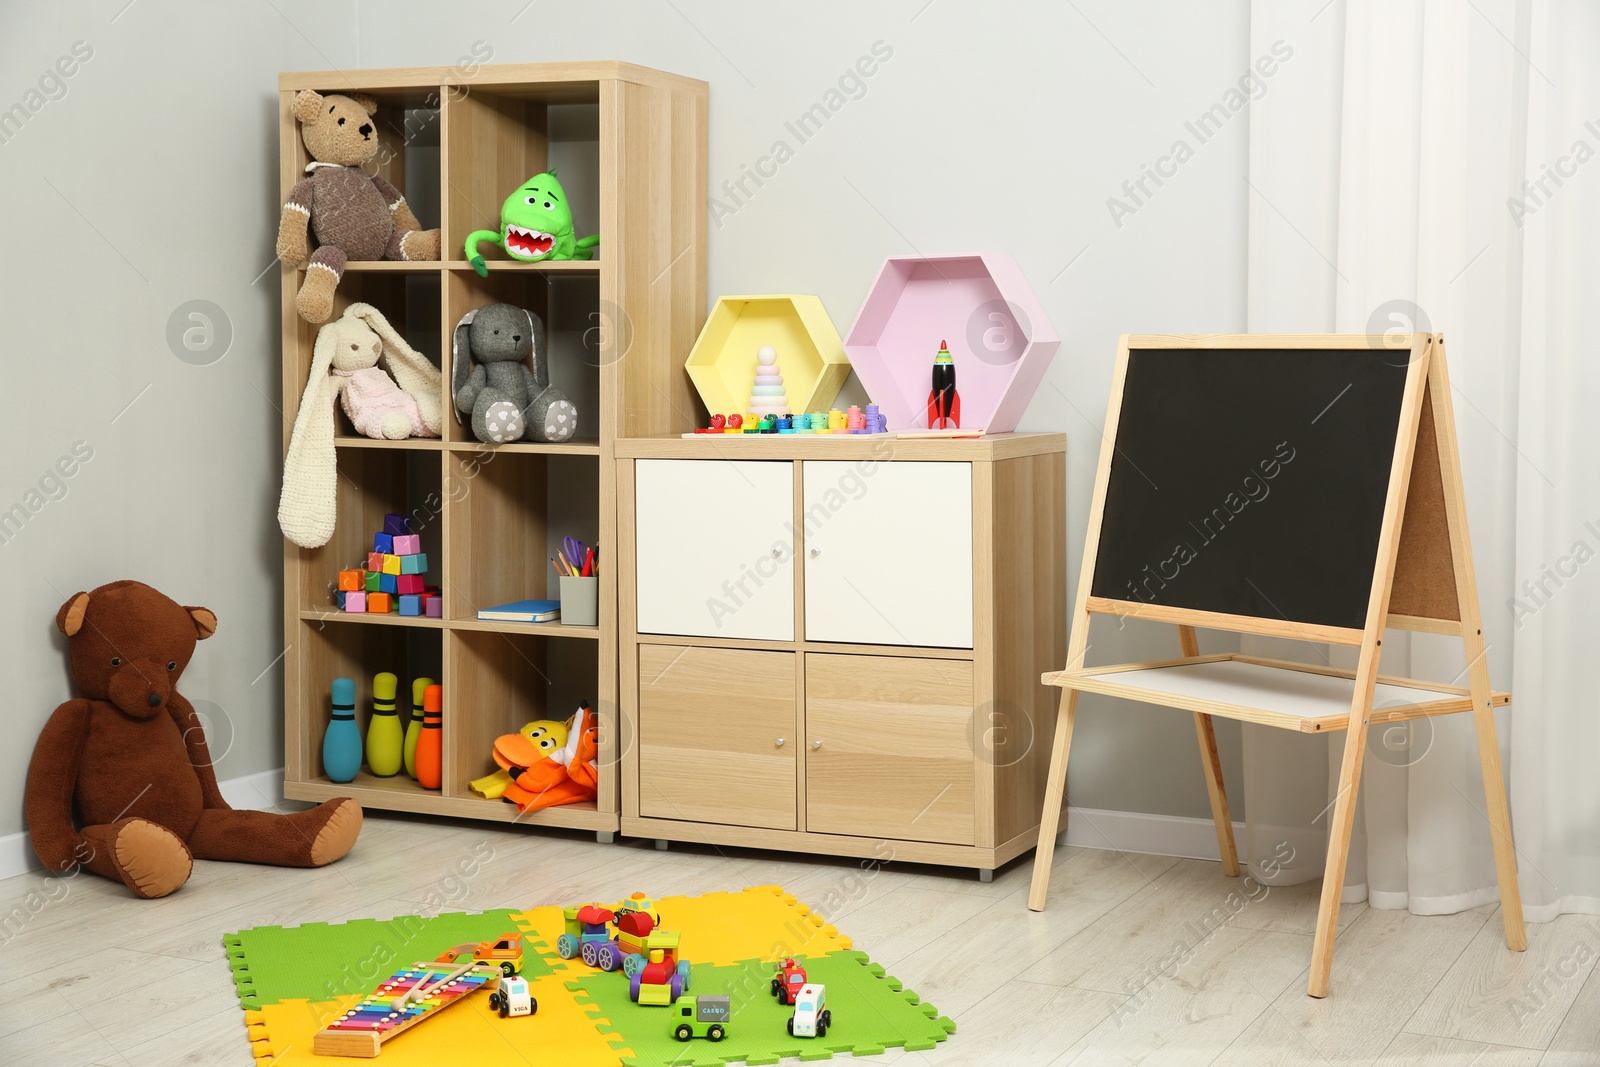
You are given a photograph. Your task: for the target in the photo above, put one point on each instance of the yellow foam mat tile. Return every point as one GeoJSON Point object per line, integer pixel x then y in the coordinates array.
{"type": "Point", "coordinates": [561, 1032]}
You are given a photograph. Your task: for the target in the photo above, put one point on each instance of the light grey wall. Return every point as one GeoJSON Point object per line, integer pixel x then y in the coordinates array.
{"type": "Point", "coordinates": [152, 182]}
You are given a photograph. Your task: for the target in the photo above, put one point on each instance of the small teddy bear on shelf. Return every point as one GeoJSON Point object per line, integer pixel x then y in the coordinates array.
{"type": "Point", "coordinates": [506, 399]}
{"type": "Point", "coordinates": [355, 215]}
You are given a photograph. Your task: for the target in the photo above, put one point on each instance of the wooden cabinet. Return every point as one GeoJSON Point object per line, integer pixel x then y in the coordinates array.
{"type": "Point", "coordinates": [717, 735]}
{"type": "Point", "coordinates": [878, 694]}
{"type": "Point", "coordinates": [888, 553]}
{"type": "Point", "coordinates": [889, 747]}
{"type": "Point", "coordinates": [713, 554]}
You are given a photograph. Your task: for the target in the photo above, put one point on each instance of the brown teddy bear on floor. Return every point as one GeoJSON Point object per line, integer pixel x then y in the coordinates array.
{"type": "Point", "coordinates": [355, 215]}
{"type": "Point", "coordinates": [130, 758]}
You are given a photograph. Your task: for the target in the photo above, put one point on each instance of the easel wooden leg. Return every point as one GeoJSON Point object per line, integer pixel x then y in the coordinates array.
{"type": "Point", "coordinates": [1494, 785]}
{"type": "Point", "coordinates": [1054, 789]}
{"type": "Point", "coordinates": [1344, 820]}
{"type": "Point", "coordinates": [1494, 795]}
{"type": "Point", "coordinates": [1211, 763]}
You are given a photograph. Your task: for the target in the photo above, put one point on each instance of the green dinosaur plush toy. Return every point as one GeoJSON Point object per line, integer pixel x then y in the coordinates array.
{"type": "Point", "coordinates": [535, 224]}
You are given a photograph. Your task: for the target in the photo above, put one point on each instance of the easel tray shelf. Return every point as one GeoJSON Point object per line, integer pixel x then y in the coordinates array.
{"type": "Point", "coordinates": [1295, 696]}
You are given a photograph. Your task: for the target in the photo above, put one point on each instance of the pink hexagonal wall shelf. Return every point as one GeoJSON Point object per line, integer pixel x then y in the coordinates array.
{"type": "Point", "coordinates": [983, 307]}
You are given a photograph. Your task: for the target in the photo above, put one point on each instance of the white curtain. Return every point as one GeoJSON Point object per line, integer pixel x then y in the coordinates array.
{"type": "Point", "coordinates": [1387, 169]}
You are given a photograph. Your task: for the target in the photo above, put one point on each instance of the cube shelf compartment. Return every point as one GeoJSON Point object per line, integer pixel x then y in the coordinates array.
{"type": "Point", "coordinates": [722, 363]}
{"type": "Point", "coordinates": [629, 146]}
{"type": "Point", "coordinates": [982, 305]}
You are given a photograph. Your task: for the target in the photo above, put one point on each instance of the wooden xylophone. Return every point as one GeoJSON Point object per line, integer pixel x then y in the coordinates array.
{"type": "Point", "coordinates": [401, 1001]}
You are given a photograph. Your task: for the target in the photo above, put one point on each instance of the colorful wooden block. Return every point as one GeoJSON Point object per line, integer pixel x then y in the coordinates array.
{"type": "Point", "coordinates": [382, 542]}
{"type": "Point", "coordinates": [356, 603]}
{"type": "Point", "coordinates": [407, 545]}
{"type": "Point", "coordinates": [373, 581]}
{"type": "Point", "coordinates": [389, 583]}
{"type": "Point", "coordinates": [390, 564]}
{"type": "Point", "coordinates": [410, 604]}
{"type": "Point", "coordinates": [408, 584]}
{"type": "Point", "coordinates": [379, 603]}
{"type": "Point", "coordinates": [417, 563]}
{"type": "Point", "coordinates": [351, 581]}
{"type": "Point", "coordinates": [396, 524]}
{"type": "Point", "coordinates": [432, 605]}
{"type": "Point", "coordinates": [375, 561]}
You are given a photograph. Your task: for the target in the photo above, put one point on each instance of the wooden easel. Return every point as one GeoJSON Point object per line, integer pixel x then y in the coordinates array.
{"type": "Point", "coordinates": [1423, 581]}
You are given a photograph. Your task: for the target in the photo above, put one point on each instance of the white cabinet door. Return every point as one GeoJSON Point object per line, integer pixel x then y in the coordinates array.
{"type": "Point", "coordinates": [713, 547]}
{"type": "Point", "coordinates": [888, 553]}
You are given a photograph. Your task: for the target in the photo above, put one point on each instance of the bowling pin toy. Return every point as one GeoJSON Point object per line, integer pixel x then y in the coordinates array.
{"type": "Point", "coordinates": [430, 743]}
{"type": "Point", "coordinates": [341, 745]}
{"type": "Point", "coordinates": [385, 738]}
{"type": "Point", "coordinates": [414, 727]}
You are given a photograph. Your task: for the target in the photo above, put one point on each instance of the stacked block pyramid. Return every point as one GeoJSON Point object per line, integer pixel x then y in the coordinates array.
{"type": "Point", "coordinates": [395, 577]}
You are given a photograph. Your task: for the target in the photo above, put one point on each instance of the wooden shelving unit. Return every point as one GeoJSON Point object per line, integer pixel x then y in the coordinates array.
{"type": "Point", "coordinates": [630, 144]}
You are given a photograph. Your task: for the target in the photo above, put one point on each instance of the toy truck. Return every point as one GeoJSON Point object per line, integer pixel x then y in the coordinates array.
{"type": "Point", "coordinates": [505, 950]}
{"type": "Point", "coordinates": [511, 998]}
{"type": "Point", "coordinates": [702, 1016]}
{"type": "Point", "coordinates": [811, 1015]}
{"type": "Point", "coordinates": [787, 982]}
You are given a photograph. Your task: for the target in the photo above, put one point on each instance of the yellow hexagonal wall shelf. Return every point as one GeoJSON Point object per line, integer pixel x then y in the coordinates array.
{"type": "Point", "coordinates": [811, 357]}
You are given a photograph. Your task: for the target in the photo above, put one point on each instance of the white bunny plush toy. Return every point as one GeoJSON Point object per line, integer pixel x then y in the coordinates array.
{"type": "Point", "coordinates": [388, 389]}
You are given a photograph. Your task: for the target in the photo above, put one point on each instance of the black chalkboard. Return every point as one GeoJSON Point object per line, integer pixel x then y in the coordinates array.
{"type": "Point", "coordinates": [1251, 481]}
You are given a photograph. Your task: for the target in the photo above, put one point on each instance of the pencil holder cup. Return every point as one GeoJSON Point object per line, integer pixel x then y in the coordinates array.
{"type": "Point", "coordinates": [580, 598]}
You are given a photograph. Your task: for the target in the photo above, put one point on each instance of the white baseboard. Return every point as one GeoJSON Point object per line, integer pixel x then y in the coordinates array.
{"type": "Point", "coordinates": [1155, 835]}
{"type": "Point", "coordinates": [262, 790]}
{"type": "Point", "coordinates": [1124, 831]}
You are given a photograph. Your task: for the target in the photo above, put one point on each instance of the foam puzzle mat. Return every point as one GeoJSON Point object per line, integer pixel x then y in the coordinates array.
{"type": "Point", "coordinates": [293, 981]}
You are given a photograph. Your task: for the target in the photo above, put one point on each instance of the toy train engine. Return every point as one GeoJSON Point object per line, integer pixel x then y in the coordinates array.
{"type": "Point", "coordinates": [665, 977]}
{"type": "Point", "coordinates": [588, 934]}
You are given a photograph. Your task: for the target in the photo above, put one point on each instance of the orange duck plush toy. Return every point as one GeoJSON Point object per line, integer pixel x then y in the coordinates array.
{"type": "Point", "coordinates": [121, 780]}
{"type": "Point", "coordinates": [545, 764]}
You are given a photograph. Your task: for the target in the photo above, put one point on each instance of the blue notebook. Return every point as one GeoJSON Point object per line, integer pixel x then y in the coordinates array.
{"type": "Point", "coordinates": [522, 611]}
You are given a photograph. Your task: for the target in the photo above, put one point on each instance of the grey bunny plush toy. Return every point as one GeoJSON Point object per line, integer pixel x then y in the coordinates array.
{"type": "Point", "coordinates": [506, 398]}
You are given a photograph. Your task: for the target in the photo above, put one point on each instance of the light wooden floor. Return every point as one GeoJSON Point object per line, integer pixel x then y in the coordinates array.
{"type": "Point", "coordinates": [1139, 959]}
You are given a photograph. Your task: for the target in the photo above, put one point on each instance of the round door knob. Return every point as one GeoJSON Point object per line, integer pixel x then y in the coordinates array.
{"type": "Point", "coordinates": [777, 553]}
{"type": "Point", "coordinates": [778, 743]}
{"type": "Point", "coordinates": [815, 552]}
{"type": "Point", "coordinates": [816, 744]}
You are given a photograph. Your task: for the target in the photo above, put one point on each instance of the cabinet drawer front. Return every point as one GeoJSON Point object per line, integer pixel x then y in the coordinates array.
{"type": "Point", "coordinates": [710, 724]}
{"type": "Point", "coordinates": [888, 553]}
{"type": "Point", "coordinates": [714, 554]}
{"type": "Point", "coordinates": [895, 758]}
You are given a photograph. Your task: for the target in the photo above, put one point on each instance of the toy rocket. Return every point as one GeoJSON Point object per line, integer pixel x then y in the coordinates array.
{"type": "Point", "coordinates": [944, 403]}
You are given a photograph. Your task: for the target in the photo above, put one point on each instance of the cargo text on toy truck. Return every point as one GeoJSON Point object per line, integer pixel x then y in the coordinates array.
{"type": "Point", "coordinates": [702, 1016]}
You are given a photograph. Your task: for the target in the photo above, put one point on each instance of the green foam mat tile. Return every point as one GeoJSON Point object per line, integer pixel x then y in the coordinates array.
{"type": "Point", "coordinates": [871, 1011]}
{"type": "Point", "coordinates": [319, 961]}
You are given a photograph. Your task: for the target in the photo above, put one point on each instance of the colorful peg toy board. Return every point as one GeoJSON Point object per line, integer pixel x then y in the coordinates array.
{"type": "Point", "coordinates": [294, 981]}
